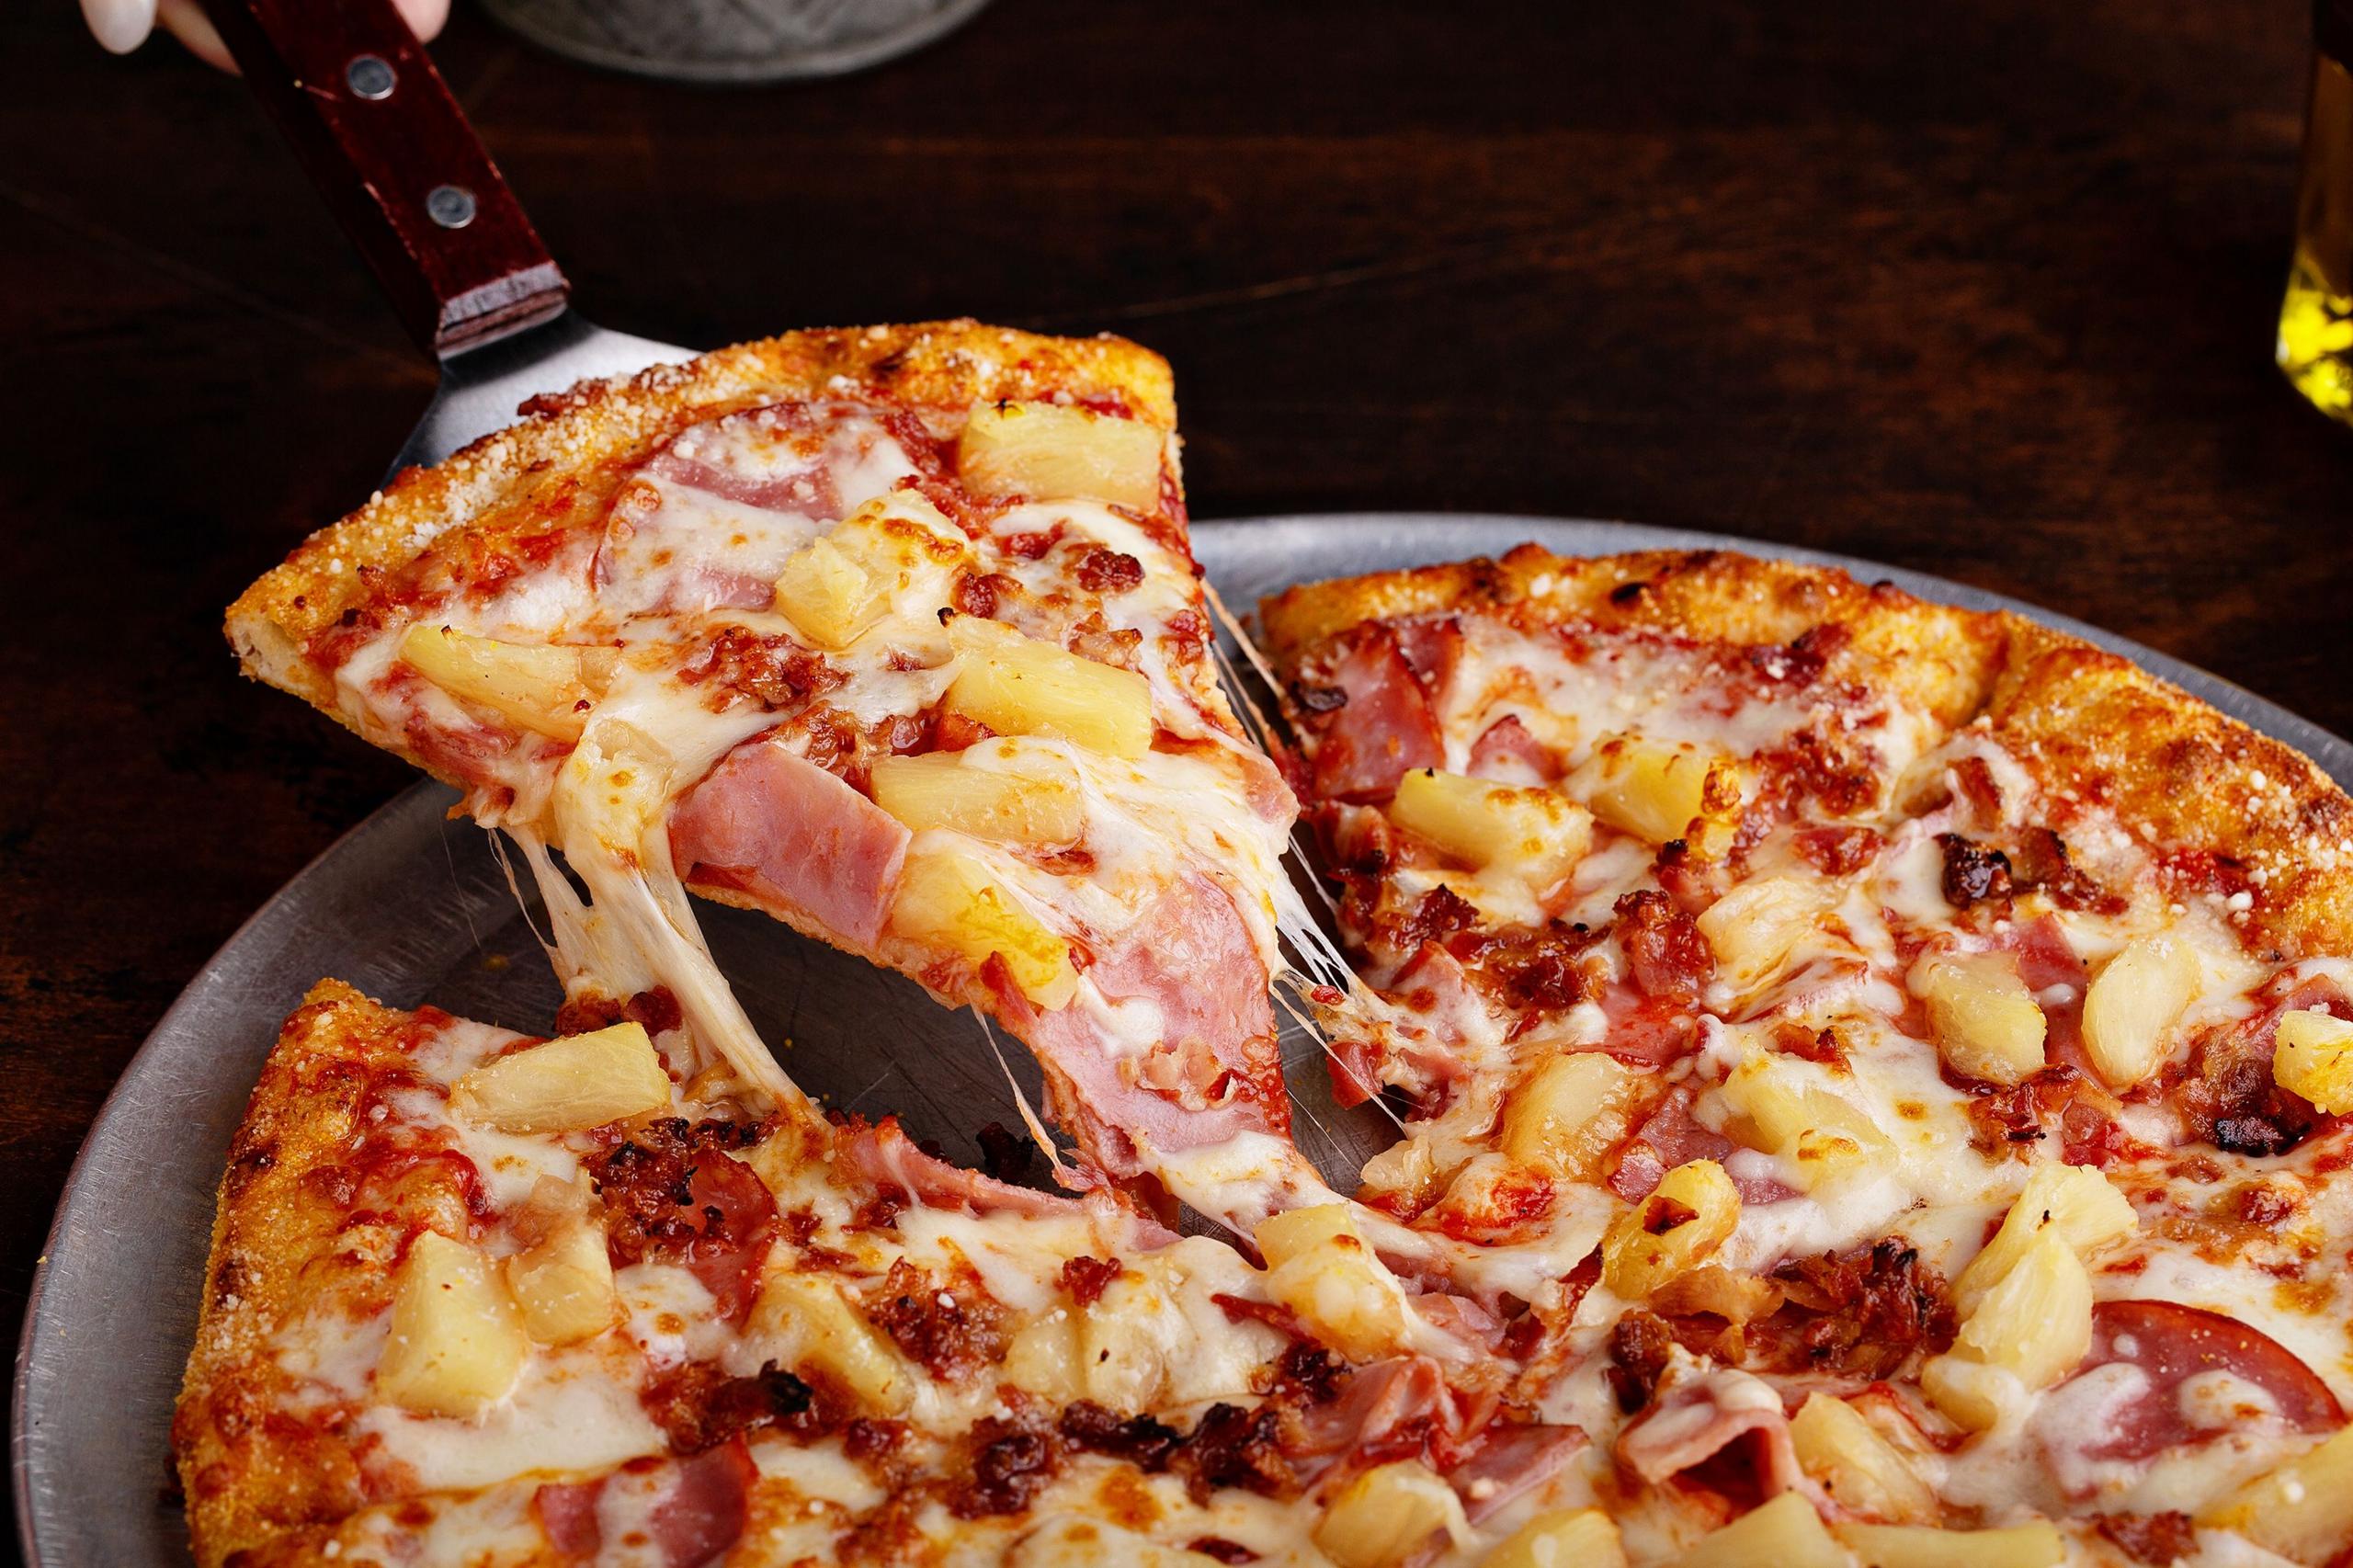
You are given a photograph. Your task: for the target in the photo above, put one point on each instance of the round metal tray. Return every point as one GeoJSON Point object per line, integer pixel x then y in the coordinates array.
{"type": "Point", "coordinates": [412, 908]}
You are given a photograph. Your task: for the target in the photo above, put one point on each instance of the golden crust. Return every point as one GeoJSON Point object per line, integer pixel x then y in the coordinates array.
{"type": "Point", "coordinates": [2088, 724]}
{"type": "Point", "coordinates": [279, 1244]}
{"type": "Point", "coordinates": [569, 453]}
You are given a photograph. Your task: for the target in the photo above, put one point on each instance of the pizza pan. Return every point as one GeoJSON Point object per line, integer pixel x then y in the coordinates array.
{"type": "Point", "coordinates": [414, 908]}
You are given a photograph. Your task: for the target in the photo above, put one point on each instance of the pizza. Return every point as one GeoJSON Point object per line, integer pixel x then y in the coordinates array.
{"type": "Point", "coordinates": [1952, 1017]}
{"type": "Point", "coordinates": [1869, 1077]}
{"type": "Point", "coordinates": [893, 634]}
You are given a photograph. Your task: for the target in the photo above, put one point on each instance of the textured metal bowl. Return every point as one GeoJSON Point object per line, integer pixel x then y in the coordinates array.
{"type": "Point", "coordinates": [411, 908]}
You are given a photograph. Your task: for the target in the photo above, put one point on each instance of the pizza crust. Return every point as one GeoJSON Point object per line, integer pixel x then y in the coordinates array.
{"type": "Point", "coordinates": [570, 451]}
{"type": "Point", "coordinates": [2087, 723]}
{"type": "Point", "coordinates": [280, 1248]}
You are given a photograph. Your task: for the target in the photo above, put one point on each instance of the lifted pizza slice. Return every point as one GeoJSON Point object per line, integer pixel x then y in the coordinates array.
{"type": "Point", "coordinates": [893, 634]}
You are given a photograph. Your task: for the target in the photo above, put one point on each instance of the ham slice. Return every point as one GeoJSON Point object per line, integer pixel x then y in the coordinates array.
{"type": "Point", "coordinates": [1213, 1070]}
{"type": "Point", "coordinates": [702, 1512]}
{"type": "Point", "coordinates": [1697, 1415]}
{"type": "Point", "coordinates": [1509, 754]}
{"type": "Point", "coordinates": [798, 840]}
{"type": "Point", "coordinates": [1384, 726]}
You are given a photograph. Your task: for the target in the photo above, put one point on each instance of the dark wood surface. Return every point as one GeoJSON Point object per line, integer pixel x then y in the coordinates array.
{"type": "Point", "coordinates": [1983, 290]}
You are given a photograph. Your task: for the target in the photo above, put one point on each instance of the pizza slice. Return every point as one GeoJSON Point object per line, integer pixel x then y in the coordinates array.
{"type": "Point", "coordinates": [1951, 1016]}
{"type": "Point", "coordinates": [892, 633]}
{"type": "Point", "coordinates": [480, 1297]}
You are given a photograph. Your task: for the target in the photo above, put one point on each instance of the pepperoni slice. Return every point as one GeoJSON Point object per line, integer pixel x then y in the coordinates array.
{"type": "Point", "coordinates": [2171, 1344]}
{"type": "Point", "coordinates": [1384, 727]}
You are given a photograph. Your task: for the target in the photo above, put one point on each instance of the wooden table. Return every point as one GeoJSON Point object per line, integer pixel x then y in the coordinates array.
{"type": "Point", "coordinates": [1983, 289]}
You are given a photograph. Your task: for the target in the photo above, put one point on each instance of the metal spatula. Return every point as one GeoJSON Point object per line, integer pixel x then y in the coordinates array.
{"type": "Point", "coordinates": [386, 144]}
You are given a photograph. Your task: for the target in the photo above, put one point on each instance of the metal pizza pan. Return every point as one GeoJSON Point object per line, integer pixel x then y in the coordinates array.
{"type": "Point", "coordinates": [413, 908]}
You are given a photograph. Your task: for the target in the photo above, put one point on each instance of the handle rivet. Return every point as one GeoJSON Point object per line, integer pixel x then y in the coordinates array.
{"type": "Point", "coordinates": [451, 206]}
{"type": "Point", "coordinates": [369, 76]}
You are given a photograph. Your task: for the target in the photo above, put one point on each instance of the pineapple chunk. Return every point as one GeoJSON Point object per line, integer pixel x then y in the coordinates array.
{"type": "Point", "coordinates": [949, 899]}
{"type": "Point", "coordinates": [1676, 1228]}
{"type": "Point", "coordinates": [1985, 1022]}
{"type": "Point", "coordinates": [455, 1344]}
{"type": "Point", "coordinates": [2035, 1545]}
{"type": "Point", "coordinates": [1570, 1538]}
{"type": "Point", "coordinates": [1042, 1359]}
{"type": "Point", "coordinates": [564, 1286]}
{"type": "Point", "coordinates": [2132, 1002]}
{"type": "Point", "coordinates": [2075, 1202]}
{"type": "Point", "coordinates": [545, 687]}
{"type": "Point", "coordinates": [1049, 452]}
{"type": "Point", "coordinates": [1537, 835]}
{"type": "Point", "coordinates": [1387, 1515]}
{"type": "Point", "coordinates": [1822, 1134]}
{"type": "Point", "coordinates": [2303, 1510]}
{"type": "Point", "coordinates": [1859, 1468]}
{"type": "Point", "coordinates": [896, 551]}
{"type": "Point", "coordinates": [579, 1081]}
{"type": "Point", "coordinates": [1320, 1266]}
{"type": "Point", "coordinates": [2034, 1323]}
{"type": "Point", "coordinates": [2313, 1057]}
{"type": "Point", "coordinates": [1786, 1533]}
{"type": "Point", "coordinates": [802, 1321]}
{"type": "Point", "coordinates": [1021, 685]}
{"type": "Point", "coordinates": [1656, 791]}
{"type": "Point", "coordinates": [1569, 1112]}
{"type": "Point", "coordinates": [1753, 928]}
{"type": "Point", "coordinates": [942, 790]}
{"type": "Point", "coordinates": [1405, 1174]}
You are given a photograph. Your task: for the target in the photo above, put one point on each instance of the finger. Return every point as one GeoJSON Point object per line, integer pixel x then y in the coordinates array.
{"type": "Point", "coordinates": [120, 26]}
{"type": "Point", "coordinates": [192, 28]}
{"type": "Point", "coordinates": [424, 17]}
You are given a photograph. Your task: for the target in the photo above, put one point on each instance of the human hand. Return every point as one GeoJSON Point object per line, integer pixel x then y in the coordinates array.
{"type": "Point", "coordinates": [122, 26]}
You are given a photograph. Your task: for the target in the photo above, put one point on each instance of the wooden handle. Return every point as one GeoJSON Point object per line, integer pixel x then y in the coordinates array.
{"type": "Point", "coordinates": [357, 97]}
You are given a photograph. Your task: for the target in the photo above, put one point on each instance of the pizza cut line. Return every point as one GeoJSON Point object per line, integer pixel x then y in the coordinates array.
{"type": "Point", "coordinates": [1871, 1076]}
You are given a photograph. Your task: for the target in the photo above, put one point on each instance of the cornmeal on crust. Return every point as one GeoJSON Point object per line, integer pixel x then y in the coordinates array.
{"type": "Point", "coordinates": [249, 1478]}
{"type": "Point", "coordinates": [570, 451]}
{"type": "Point", "coordinates": [2174, 770]}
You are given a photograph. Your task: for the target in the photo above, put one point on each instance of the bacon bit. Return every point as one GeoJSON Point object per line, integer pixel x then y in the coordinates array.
{"type": "Point", "coordinates": [770, 669]}
{"type": "Point", "coordinates": [1801, 662]}
{"type": "Point", "coordinates": [2233, 1102]}
{"type": "Point", "coordinates": [1309, 1373]}
{"type": "Point", "coordinates": [1004, 1155]}
{"type": "Point", "coordinates": [1640, 1348]}
{"type": "Point", "coordinates": [1010, 1465]}
{"type": "Point", "coordinates": [1222, 1550]}
{"type": "Point", "coordinates": [1104, 570]}
{"type": "Point", "coordinates": [1533, 969]}
{"type": "Point", "coordinates": [1822, 1045]}
{"type": "Point", "coordinates": [1088, 1277]}
{"type": "Point", "coordinates": [954, 732]}
{"type": "Point", "coordinates": [671, 1193]}
{"type": "Point", "coordinates": [1839, 851]}
{"type": "Point", "coordinates": [2043, 863]}
{"type": "Point", "coordinates": [1974, 874]}
{"type": "Point", "coordinates": [656, 1010]}
{"type": "Point", "coordinates": [976, 594]}
{"type": "Point", "coordinates": [1814, 766]}
{"type": "Point", "coordinates": [1440, 913]}
{"type": "Point", "coordinates": [1669, 958]}
{"type": "Point", "coordinates": [1030, 546]}
{"type": "Point", "coordinates": [698, 1407]}
{"type": "Point", "coordinates": [1234, 1447]}
{"type": "Point", "coordinates": [2155, 1538]}
{"type": "Point", "coordinates": [869, 1439]}
{"type": "Point", "coordinates": [1139, 1439]}
{"type": "Point", "coordinates": [1975, 776]}
{"type": "Point", "coordinates": [953, 1332]}
{"type": "Point", "coordinates": [2263, 1204]}
{"type": "Point", "coordinates": [1862, 1314]}
{"type": "Point", "coordinates": [1693, 880]}
{"type": "Point", "coordinates": [881, 1211]}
